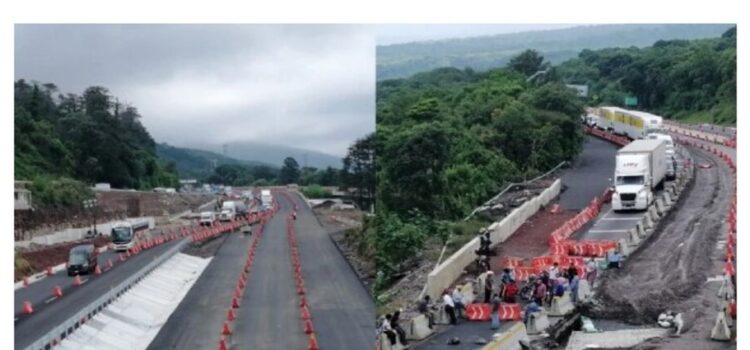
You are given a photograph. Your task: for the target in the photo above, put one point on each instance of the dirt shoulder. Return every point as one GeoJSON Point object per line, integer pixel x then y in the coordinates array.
{"type": "Point", "coordinates": [670, 271]}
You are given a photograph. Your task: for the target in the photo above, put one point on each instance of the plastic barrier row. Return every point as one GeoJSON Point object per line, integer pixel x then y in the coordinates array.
{"type": "Point", "coordinates": [616, 139]}
{"type": "Point", "coordinates": [574, 224]}
{"type": "Point", "coordinates": [704, 135]}
{"type": "Point", "coordinates": [483, 312]}
{"type": "Point", "coordinates": [239, 290]}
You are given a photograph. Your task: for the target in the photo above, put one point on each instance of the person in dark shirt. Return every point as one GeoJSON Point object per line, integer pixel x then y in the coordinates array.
{"type": "Point", "coordinates": [423, 306]}
{"type": "Point", "coordinates": [397, 327]}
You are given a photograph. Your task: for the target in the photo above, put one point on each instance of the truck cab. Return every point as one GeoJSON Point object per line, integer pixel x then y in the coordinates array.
{"type": "Point", "coordinates": [207, 218]}
{"type": "Point", "coordinates": [228, 211]}
{"type": "Point", "coordinates": [640, 169]}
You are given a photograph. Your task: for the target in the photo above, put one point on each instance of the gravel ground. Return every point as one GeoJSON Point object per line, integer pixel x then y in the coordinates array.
{"type": "Point", "coordinates": [671, 269]}
{"type": "Point", "coordinates": [530, 240]}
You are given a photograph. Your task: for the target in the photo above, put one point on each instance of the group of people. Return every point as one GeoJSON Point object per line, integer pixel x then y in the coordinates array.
{"type": "Point", "coordinates": [391, 327]}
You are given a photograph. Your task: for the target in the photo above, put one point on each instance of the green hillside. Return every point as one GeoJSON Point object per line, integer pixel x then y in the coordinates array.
{"type": "Point", "coordinates": [486, 52]}
{"type": "Point", "coordinates": [691, 80]}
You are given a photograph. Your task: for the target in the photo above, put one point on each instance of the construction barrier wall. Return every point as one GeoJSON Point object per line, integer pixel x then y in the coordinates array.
{"type": "Point", "coordinates": [74, 234]}
{"type": "Point", "coordinates": [451, 269]}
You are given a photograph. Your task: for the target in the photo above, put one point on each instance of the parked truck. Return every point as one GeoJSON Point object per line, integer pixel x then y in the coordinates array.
{"type": "Point", "coordinates": [228, 211]}
{"type": "Point", "coordinates": [671, 157]}
{"type": "Point", "coordinates": [266, 199]}
{"type": "Point", "coordinates": [640, 169]}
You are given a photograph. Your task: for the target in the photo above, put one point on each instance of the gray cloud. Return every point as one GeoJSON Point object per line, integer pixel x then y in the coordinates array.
{"type": "Point", "coordinates": [308, 86]}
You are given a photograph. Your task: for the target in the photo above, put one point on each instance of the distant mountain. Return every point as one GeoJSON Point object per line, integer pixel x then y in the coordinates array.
{"type": "Point", "coordinates": [274, 154]}
{"type": "Point", "coordinates": [481, 53]}
{"type": "Point", "coordinates": [196, 163]}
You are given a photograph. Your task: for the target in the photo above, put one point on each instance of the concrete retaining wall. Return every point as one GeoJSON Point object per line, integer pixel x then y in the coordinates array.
{"type": "Point", "coordinates": [74, 234]}
{"type": "Point", "coordinates": [452, 268]}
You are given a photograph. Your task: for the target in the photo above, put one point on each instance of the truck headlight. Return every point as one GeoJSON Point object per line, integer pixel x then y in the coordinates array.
{"type": "Point", "coordinates": [642, 194]}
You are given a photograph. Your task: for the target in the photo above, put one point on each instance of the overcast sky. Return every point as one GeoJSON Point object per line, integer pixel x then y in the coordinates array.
{"type": "Point", "coordinates": [307, 86]}
{"type": "Point", "coordinates": [402, 33]}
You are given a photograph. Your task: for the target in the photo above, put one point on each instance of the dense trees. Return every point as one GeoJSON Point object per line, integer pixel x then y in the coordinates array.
{"type": "Point", "coordinates": [527, 63]}
{"type": "Point", "coordinates": [359, 170]}
{"type": "Point", "coordinates": [290, 171]}
{"type": "Point", "coordinates": [694, 80]}
{"type": "Point", "coordinates": [90, 138]}
{"type": "Point", "coordinates": [447, 140]}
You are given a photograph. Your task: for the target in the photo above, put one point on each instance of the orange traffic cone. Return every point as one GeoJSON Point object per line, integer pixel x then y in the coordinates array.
{"type": "Point", "coordinates": [222, 344]}
{"type": "Point", "coordinates": [77, 280]}
{"type": "Point", "coordinates": [57, 291]}
{"type": "Point", "coordinates": [308, 327]}
{"type": "Point", "coordinates": [226, 330]}
{"type": "Point", "coordinates": [27, 309]}
{"type": "Point", "coordinates": [304, 313]}
{"type": "Point", "coordinates": [230, 314]}
{"type": "Point", "coordinates": [25, 281]}
{"type": "Point", "coordinates": [235, 303]}
{"type": "Point", "coordinates": [302, 301]}
{"type": "Point", "coordinates": [49, 270]}
{"type": "Point", "coordinates": [97, 270]}
{"type": "Point", "coordinates": [313, 344]}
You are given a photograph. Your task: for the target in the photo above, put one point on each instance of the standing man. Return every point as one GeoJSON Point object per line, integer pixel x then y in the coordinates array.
{"type": "Point", "coordinates": [495, 311]}
{"type": "Point", "coordinates": [540, 292]}
{"type": "Point", "coordinates": [458, 301]}
{"type": "Point", "coordinates": [591, 271]}
{"type": "Point", "coordinates": [488, 287]}
{"type": "Point", "coordinates": [614, 260]}
{"type": "Point", "coordinates": [574, 288]}
{"type": "Point", "coordinates": [423, 306]}
{"type": "Point", "coordinates": [450, 308]}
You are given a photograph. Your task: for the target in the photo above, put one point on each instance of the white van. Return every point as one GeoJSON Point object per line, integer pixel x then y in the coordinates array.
{"type": "Point", "coordinates": [207, 218]}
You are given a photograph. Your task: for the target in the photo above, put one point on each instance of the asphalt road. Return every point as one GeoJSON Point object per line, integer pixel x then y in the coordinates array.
{"type": "Point", "coordinates": [269, 316]}
{"type": "Point", "coordinates": [466, 331]}
{"type": "Point", "coordinates": [343, 311]}
{"type": "Point", "coordinates": [589, 174]}
{"type": "Point", "coordinates": [49, 313]}
{"type": "Point", "coordinates": [197, 321]}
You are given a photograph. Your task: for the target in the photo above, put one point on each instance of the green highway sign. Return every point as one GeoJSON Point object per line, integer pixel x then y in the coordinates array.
{"type": "Point", "coordinates": [631, 101]}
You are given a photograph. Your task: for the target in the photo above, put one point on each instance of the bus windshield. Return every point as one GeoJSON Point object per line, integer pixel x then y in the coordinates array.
{"type": "Point", "coordinates": [121, 234]}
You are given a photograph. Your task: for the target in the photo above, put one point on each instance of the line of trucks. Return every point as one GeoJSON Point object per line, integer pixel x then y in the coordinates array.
{"type": "Point", "coordinates": [642, 166]}
{"type": "Point", "coordinates": [231, 209]}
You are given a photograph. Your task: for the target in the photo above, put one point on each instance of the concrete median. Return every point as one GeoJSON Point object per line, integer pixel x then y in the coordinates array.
{"type": "Point", "coordinates": [418, 328]}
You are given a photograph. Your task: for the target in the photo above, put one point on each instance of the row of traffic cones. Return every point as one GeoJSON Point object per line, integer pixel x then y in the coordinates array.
{"type": "Point", "coordinates": [239, 290]}
{"type": "Point", "coordinates": [299, 280]}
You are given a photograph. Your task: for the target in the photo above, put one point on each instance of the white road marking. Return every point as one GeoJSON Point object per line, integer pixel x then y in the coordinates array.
{"type": "Point", "coordinates": [50, 300]}
{"type": "Point", "coordinates": [607, 231]}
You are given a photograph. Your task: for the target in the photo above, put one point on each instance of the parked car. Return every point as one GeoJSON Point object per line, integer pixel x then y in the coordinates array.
{"type": "Point", "coordinates": [207, 218]}
{"type": "Point", "coordinates": [82, 259]}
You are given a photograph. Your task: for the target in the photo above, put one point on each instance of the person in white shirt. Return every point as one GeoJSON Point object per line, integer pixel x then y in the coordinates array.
{"type": "Point", "coordinates": [458, 301]}
{"type": "Point", "coordinates": [591, 271]}
{"type": "Point", "coordinates": [450, 307]}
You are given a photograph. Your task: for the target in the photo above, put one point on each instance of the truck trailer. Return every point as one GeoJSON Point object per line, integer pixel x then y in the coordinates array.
{"type": "Point", "coordinates": [640, 169]}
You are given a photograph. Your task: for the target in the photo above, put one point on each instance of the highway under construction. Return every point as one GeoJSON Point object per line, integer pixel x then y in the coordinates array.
{"type": "Point", "coordinates": [259, 283]}
{"type": "Point", "coordinates": [679, 257]}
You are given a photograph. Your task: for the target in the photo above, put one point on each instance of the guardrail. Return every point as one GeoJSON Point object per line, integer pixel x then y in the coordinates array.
{"type": "Point", "coordinates": [67, 327]}
{"type": "Point", "coordinates": [513, 184]}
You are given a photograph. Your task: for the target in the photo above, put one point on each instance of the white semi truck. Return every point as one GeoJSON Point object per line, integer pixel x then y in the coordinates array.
{"type": "Point", "coordinates": [266, 199]}
{"type": "Point", "coordinates": [640, 168]}
{"type": "Point", "coordinates": [671, 157]}
{"type": "Point", "coordinates": [228, 211]}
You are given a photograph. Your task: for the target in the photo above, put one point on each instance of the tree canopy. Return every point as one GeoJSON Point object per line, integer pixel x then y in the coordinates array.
{"type": "Point", "coordinates": [681, 79]}
{"type": "Point", "coordinates": [449, 139]}
{"type": "Point", "coordinates": [89, 137]}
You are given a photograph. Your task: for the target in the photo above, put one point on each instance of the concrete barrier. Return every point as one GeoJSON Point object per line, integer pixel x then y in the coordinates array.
{"type": "Point", "coordinates": [538, 322]}
{"type": "Point", "coordinates": [449, 270]}
{"type": "Point", "coordinates": [623, 246]}
{"type": "Point", "coordinates": [668, 200]}
{"type": "Point", "coordinates": [561, 306]}
{"type": "Point", "coordinates": [584, 290]}
{"type": "Point", "coordinates": [661, 209]}
{"type": "Point", "coordinates": [633, 238]}
{"type": "Point", "coordinates": [509, 340]}
{"type": "Point", "coordinates": [441, 316]}
{"type": "Point", "coordinates": [74, 234]}
{"type": "Point", "coordinates": [418, 328]}
{"type": "Point", "coordinates": [721, 331]}
{"type": "Point", "coordinates": [647, 223]}
{"type": "Point", "coordinates": [640, 230]}
{"type": "Point", "coordinates": [653, 213]}
{"type": "Point", "coordinates": [467, 292]}
{"type": "Point", "coordinates": [385, 344]}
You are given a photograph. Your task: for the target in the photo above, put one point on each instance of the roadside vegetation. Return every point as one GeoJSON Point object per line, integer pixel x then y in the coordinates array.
{"type": "Point", "coordinates": [66, 142]}
{"type": "Point", "coordinates": [691, 80]}
{"type": "Point", "coordinates": [449, 139]}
